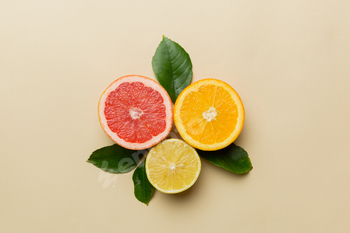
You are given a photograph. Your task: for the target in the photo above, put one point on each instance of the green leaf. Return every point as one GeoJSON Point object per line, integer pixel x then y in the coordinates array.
{"type": "Point", "coordinates": [173, 67]}
{"type": "Point", "coordinates": [143, 189]}
{"type": "Point", "coordinates": [116, 159]}
{"type": "Point", "coordinates": [232, 158]}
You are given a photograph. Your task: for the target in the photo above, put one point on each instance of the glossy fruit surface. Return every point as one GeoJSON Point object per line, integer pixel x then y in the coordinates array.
{"type": "Point", "coordinates": [135, 112]}
{"type": "Point", "coordinates": [172, 166]}
{"type": "Point", "coordinates": [209, 114]}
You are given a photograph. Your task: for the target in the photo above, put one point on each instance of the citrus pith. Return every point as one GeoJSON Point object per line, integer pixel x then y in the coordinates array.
{"type": "Point", "coordinates": [209, 114]}
{"type": "Point", "coordinates": [135, 112]}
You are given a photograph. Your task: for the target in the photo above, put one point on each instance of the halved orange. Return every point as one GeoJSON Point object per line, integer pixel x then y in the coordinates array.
{"type": "Point", "coordinates": [209, 114]}
{"type": "Point", "coordinates": [135, 112]}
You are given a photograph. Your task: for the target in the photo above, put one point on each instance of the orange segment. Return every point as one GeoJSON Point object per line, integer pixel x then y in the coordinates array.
{"type": "Point", "coordinates": [209, 114]}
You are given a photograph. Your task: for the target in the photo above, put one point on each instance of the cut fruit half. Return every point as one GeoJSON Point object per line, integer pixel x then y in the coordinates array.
{"type": "Point", "coordinates": [172, 166]}
{"type": "Point", "coordinates": [209, 114]}
{"type": "Point", "coordinates": [135, 112]}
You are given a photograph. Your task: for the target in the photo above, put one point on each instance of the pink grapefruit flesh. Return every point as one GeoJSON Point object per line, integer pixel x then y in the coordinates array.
{"type": "Point", "coordinates": [135, 112]}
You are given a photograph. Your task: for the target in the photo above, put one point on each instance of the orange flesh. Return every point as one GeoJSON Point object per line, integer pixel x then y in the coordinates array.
{"type": "Point", "coordinates": [220, 114]}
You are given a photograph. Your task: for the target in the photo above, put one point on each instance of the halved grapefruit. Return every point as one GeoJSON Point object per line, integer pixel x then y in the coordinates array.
{"type": "Point", "coordinates": [135, 112]}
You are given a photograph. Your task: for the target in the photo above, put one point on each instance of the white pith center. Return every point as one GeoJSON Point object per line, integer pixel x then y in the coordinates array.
{"type": "Point", "coordinates": [135, 113]}
{"type": "Point", "coordinates": [210, 114]}
{"type": "Point", "coordinates": [172, 166]}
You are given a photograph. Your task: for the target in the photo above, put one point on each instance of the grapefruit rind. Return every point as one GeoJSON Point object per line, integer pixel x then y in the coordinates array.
{"type": "Point", "coordinates": [148, 83]}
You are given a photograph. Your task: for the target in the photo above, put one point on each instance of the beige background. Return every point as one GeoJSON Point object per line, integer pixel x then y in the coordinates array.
{"type": "Point", "coordinates": [289, 61]}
